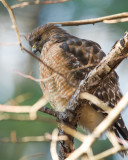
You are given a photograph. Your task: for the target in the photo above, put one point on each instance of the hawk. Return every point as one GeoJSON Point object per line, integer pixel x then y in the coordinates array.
{"type": "Point", "coordinates": [74, 58]}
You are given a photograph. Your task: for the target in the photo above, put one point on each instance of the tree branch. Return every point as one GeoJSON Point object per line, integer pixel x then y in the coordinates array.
{"type": "Point", "coordinates": [95, 101]}
{"type": "Point", "coordinates": [13, 20]}
{"type": "Point", "coordinates": [104, 19]}
{"type": "Point", "coordinates": [24, 4]}
{"type": "Point", "coordinates": [54, 145]}
{"type": "Point", "coordinates": [15, 139]}
{"type": "Point", "coordinates": [25, 109]}
{"type": "Point", "coordinates": [19, 117]}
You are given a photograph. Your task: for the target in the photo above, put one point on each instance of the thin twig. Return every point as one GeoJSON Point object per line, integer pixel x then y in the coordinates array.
{"type": "Point", "coordinates": [74, 133]}
{"type": "Point", "coordinates": [113, 138]}
{"type": "Point", "coordinates": [49, 111]}
{"type": "Point", "coordinates": [46, 137]}
{"type": "Point", "coordinates": [42, 102]}
{"type": "Point", "coordinates": [25, 109]}
{"type": "Point", "coordinates": [14, 109]}
{"type": "Point", "coordinates": [94, 20]}
{"type": "Point", "coordinates": [54, 145]}
{"type": "Point", "coordinates": [32, 110]}
{"type": "Point", "coordinates": [108, 152]}
{"type": "Point", "coordinates": [24, 4]}
{"type": "Point", "coordinates": [33, 78]}
{"type": "Point", "coordinates": [95, 101]}
{"type": "Point", "coordinates": [90, 154]}
{"type": "Point", "coordinates": [13, 20]}
{"type": "Point", "coordinates": [19, 117]}
{"type": "Point", "coordinates": [116, 20]}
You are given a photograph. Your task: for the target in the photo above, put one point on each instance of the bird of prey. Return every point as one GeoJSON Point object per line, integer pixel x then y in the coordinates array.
{"type": "Point", "coordinates": [74, 58]}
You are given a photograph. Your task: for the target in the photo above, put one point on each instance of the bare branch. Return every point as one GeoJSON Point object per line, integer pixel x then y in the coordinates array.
{"type": "Point", "coordinates": [74, 133]}
{"type": "Point", "coordinates": [109, 152]}
{"type": "Point", "coordinates": [46, 137]}
{"type": "Point", "coordinates": [95, 101]}
{"type": "Point", "coordinates": [19, 117]}
{"type": "Point", "coordinates": [49, 111]}
{"type": "Point", "coordinates": [32, 110]}
{"type": "Point", "coordinates": [14, 109]}
{"type": "Point", "coordinates": [95, 20]}
{"type": "Point", "coordinates": [13, 20]}
{"type": "Point", "coordinates": [54, 145]}
{"type": "Point", "coordinates": [42, 102]}
{"type": "Point", "coordinates": [24, 4]}
{"type": "Point", "coordinates": [89, 155]}
{"type": "Point", "coordinates": [116, 20]}
{"type": "Point", "coordinates": [113, 138]}
{"type": "Point", "coordinates": [33, 78]}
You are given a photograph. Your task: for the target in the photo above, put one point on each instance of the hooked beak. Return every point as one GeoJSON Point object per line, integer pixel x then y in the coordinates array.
{"type": "Point", "coordinates": [34, 49]}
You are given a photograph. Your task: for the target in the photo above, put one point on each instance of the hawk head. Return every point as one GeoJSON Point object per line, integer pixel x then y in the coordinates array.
{"type": "Point", "coordinates": [39, 36]}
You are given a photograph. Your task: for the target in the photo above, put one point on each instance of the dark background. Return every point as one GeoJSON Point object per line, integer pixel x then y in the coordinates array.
{"type": "Point", "coordinates": [27, 92]}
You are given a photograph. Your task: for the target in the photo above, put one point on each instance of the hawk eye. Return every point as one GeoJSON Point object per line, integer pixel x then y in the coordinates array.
{"type": "Point", "coordinates": [39, 38]}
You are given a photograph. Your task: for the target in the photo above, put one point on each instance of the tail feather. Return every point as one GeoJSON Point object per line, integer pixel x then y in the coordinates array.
{"type": "Point", "coordinates": [120, 130]}
{"type": "Point", "coordinates": [120, 126]}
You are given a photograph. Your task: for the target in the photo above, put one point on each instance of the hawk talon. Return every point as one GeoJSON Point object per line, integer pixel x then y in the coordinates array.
{"type": "Point", "coordinates": [65, 117]}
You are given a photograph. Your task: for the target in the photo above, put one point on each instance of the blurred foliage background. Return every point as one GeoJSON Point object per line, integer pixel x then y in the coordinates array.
{"type": "Point", "coordinates": [16, 90]}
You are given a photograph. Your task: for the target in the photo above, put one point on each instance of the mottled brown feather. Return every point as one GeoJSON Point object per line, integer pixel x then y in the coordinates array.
{"type": "Point", "coordinates": [74, 58]}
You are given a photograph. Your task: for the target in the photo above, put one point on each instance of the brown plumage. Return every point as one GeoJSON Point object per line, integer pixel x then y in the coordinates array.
{"type": "Point", "coordinates": [74, 58]}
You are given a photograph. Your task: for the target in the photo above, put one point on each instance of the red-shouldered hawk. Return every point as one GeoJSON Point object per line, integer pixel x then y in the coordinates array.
{"type": "Point", "coordinates": [74, 58]}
